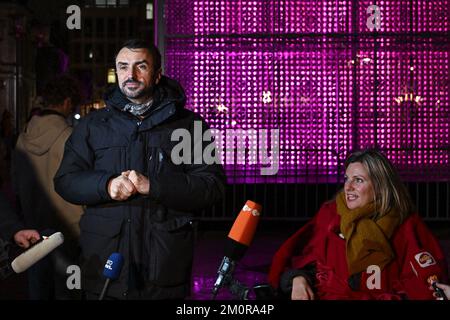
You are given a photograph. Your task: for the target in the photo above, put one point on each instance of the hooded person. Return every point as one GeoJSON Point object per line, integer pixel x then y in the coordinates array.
{"type": "Point", "coordinates": [36, 159]}
{"type": "Point", "coordinates": [141, 200]}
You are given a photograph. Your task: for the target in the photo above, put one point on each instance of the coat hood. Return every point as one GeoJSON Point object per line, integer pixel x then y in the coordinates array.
{"type": "Point", "coordinates": [42, 132]}
{"type": "Point", "coordinates": [167, 91]}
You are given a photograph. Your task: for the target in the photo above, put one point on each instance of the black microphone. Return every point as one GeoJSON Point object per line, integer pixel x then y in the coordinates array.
{"type": "Point", "coordinates": [238, 241]}
{"type": "Point", "coordinates": [433, 280]}
{"type": "Point", "coordinates": [112, 269]}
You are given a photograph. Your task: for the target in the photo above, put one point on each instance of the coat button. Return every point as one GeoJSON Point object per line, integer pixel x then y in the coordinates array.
{"type": "Point", "coordinates": [129, 220]}
{"type": "Point", "coordinates": [125, 293]}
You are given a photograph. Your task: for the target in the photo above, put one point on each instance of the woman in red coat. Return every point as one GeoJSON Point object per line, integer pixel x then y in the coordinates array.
{"type": "Point", "coordinates": [367, 243]}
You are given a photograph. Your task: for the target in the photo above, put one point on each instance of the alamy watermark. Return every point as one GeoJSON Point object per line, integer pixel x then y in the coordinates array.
{"type": "Point", "coordinates": [74, 20]}
{"type": "Point", "coordinates": [74, 277]}
{"type": "Point", "coordinates": [374, 20]}
{"type": "Point", "coordinates": [230, 146]}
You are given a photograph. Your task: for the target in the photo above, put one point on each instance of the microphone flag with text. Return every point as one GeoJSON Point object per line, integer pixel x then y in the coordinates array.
{"type": "Point", "coordinates": [111, 271]}
{"type": "Point", "coordinates": [238, 240]}
{"type": "Point", "coordinates": [426, 269]}
{"type": "Point", "coordinates": [35, 253]}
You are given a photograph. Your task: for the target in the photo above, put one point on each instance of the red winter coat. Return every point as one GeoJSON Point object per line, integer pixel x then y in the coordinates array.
{"type": "Point", "coordinates": [318, 243]}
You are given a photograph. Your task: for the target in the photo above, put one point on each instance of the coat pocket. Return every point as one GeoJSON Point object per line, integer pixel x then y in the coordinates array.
{"type": "Point", "coordinates": [170, 249]}
{"type": "Point", "coordinates": [99, 235]}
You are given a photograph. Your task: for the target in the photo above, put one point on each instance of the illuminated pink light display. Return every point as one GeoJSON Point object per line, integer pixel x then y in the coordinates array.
{"type": "Point", "coordinates": [327, 87]}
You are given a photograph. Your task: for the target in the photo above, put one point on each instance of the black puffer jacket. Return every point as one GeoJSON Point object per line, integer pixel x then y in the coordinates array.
{"type": "Point", "coordinates": [153, 233]}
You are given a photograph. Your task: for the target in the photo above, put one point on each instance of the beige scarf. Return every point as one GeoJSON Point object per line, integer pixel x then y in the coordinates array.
{"type": "Point", "coordinates": [367, 241]}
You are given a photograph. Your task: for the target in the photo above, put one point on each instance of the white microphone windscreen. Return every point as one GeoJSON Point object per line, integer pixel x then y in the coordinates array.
{"type": "Point", "coordinates": [37, 252]}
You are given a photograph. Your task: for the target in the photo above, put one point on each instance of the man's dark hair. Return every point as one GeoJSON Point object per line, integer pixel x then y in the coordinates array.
{"type": "Point", "coordinates": [143, 44]}
{"type": "Point", "coordinates": [60, 88]}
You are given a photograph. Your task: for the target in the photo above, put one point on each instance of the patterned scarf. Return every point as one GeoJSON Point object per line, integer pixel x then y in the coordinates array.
{"type": "Point", "coordinates": [138, 109]}
{"type": "Point", "coordinates": [367, 241]}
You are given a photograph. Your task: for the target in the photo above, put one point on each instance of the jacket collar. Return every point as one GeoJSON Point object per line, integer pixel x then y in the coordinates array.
{"type": "Point", "coordinates": [169, 98]}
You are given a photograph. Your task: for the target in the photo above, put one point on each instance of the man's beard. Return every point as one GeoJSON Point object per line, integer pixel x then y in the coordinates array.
{"type": "Point", "coordinates": [137, 93]}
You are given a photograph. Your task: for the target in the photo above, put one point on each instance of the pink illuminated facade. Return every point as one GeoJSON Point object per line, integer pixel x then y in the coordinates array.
{"type": "Point", "coordinates": [315, 71]}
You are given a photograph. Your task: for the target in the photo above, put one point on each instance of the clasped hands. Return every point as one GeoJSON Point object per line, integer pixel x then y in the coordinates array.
{"type": "Point", "coordinates": [127, 184]}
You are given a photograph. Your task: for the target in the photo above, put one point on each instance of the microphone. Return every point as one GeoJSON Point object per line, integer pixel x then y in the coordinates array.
{"type": "Point", "coordinates": [425, 268]}
{"type": "Point", "coordinates": [32, 255]}
{"type": "Point", "coordinates": [238, 240]}
{"type": "Point", "coordinates": [112, 269]}
{"type": "Point", "coordinates": [38, 251]}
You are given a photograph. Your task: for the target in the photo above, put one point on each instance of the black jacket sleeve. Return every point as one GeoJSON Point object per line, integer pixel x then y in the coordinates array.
{"type": "Point", "coordinates": [9, 221]}
{"type": "Point", "coordinates": [76, 180]}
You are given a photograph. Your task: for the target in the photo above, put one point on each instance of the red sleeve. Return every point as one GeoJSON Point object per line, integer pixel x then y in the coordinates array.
{"type": "Point", "coordinates": [414, 238]}
{"type": "Point", "coordinates": [302, 248]}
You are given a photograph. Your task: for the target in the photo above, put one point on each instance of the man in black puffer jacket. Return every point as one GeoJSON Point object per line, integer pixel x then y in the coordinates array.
{"type": "Point", "coordinates": [140, 202]}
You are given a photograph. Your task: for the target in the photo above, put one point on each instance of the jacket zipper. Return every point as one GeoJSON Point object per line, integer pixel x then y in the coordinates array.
{"type": "Point", "coordinates": [129, 220]}
{"type": "Point", "coordinates": [147, 236]}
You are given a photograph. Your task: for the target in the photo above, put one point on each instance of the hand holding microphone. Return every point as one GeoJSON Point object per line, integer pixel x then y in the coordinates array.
{"type": "Point", "coordinates": [425, 268]}
{"type": "Point", "coordinates": [31, 256]}
{"type": "Point", "coordinates": [443, 289]}
{"type": "Point", "coordinates": [25, 238]}
{"type": "Point", "coordinates": [25, 260]}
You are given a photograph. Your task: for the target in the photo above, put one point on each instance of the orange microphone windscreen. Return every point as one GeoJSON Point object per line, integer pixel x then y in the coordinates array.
{"type": "Point", "coordinates": [244, 226]}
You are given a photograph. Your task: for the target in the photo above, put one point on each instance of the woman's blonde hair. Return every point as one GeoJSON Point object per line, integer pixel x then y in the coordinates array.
{"type": "Point", "coordinates": [390, 192]}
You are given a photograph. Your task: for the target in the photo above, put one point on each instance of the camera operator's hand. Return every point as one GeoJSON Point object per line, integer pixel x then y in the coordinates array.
{"type": "Point", "coordinates": [25, 238]}
{"type": "Point", "coordinates": [444, 287]}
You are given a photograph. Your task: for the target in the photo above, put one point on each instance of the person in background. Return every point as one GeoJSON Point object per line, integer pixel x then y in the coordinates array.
{"type": "Point", "coordinates": [37, 156]}
{"type": "Point", "coordinates": [12, 234]}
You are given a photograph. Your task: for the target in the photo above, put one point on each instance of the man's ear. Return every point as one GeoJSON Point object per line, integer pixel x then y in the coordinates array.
{"type": "Point", "coordinates": [158, 75]}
